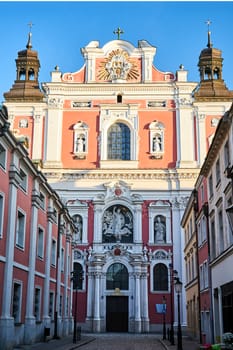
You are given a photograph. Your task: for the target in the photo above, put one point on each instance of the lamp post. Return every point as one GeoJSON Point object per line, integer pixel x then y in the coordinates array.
{"type": "Point", "coordinates": [164, 317]}
{"type": "Point", "coordinates": [77, 278]}
{"type": "Point", "coordinates": [178, 288]}
{"type": "Point", "coordinates": [173, 274]}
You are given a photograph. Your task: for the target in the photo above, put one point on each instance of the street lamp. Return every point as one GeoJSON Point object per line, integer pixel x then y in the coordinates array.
{"type": "Point", "coordinates": [178, 288]}
{"type": "Point", "coordinates": [173, 275]}
{"type": "Point", "coordinates": [164, 317]}
{"type": "Point", "coordinates": [77, 278]}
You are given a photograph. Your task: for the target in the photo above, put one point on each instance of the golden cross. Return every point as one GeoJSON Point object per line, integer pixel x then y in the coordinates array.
{"type": "Point", "coordinates": [118, 31]}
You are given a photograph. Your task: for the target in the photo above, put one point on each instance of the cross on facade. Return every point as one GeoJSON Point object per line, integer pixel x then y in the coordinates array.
{"type": "Point", "coordinates": [118, 31]}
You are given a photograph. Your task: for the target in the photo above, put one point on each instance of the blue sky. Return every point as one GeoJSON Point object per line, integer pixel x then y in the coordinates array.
{"type": "Point", "coordinates": [61, 28]}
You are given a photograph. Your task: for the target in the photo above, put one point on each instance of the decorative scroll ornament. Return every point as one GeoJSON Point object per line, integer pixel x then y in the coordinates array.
{"type": "Point", "coordinates": [118, 66]}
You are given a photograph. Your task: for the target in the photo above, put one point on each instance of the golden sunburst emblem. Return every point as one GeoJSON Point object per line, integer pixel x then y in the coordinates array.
{"type": "Point", "coordinates": [118, 66]}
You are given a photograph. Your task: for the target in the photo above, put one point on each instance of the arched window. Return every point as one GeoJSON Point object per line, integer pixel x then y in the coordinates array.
{"type": "Point", "coordinates": [119, 98]}
{"type": "Point", "coordinates": [160, 277]}
{"type": "Point", "coordinates": [119, 142]}
{"type": "Point", "coordinates": [117, 277]}
{"type": "Point", "coordinates": [77, 276]}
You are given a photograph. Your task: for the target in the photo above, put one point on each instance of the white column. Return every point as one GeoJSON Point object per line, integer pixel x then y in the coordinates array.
{"type": "Point", "coordinates": [30, 319]}
{"type": "Point", "coordinates": [97, 224]}
{"type": "Point", "coordinates": [96, 320]}
{"type": "Point", "coordinates": [137, 304]}
{"type": "Point", "coordinates": [53, 133]}
{"type": "Point", "coordinates": [138, 223]}
{"type": "Point", "coordinates": [185, 133]}
{"type": "Point", "coordinates": [37, 136]}
{"type": "Point", "coordinates": [201, 138]}
{"type": "Point", "coordinates": [144, 302]}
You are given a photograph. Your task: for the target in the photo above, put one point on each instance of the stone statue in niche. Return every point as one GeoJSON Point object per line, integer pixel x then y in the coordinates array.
{"type": "Point", "coordinates": [157, 143]}
{"type": "Point", "coordinates": [117, 225]}
{"type": "Point", "coordinates": [79, 227]}
{"type": "Point", "coordinates": [80, 143]}
{"type": "Point", "coordinates": [160, 229]}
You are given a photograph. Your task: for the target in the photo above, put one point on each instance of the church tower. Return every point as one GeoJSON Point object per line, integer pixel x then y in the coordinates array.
{"type": "Point", "coordinates": [26, 86]}
{"type": "Point", "coordinates": [212, 86]}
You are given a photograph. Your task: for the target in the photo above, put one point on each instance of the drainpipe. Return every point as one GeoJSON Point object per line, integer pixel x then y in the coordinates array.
{"type": "Point", "coordinates": [195, 207]}
{"type": "Point", "coordinates": [57, 262]}
{"type": "Point", "coordinates": [206, 213]}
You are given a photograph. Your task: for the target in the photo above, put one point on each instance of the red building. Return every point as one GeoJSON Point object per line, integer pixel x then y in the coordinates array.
{"type": "Point", "coordinates": [35, 249]}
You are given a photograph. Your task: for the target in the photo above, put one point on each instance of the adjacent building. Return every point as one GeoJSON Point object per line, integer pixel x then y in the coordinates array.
{"type": "Point", "coordinates": [35, 249]}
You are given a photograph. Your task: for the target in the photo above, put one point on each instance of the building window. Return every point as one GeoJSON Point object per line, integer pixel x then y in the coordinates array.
{"type": "Point", "coordinates": [60, 305]}
{"type": "Point", "coordinates": [40, 243]}
{"type": "Point", "coordinates": [16, 304]}
{"type": "Point", "coordinates": [218, 173]}
{"type": "Point", "coordinates": [62, 259]}
{"type": "Point", "coordinates": [160, 277]}
{"type": "Point", "coordinates": [210, 181]}
{"type": "Point", "coordinates": [1, 213]}
{"type": "Point", "coordinates": [53, 253]}
{"type": "Point", "coordinates": [20, 229]}
{"type": "Point", "coordinates": [119, 98]}
{"type": "Point", "coordinates": [23, 183]}
{"type": "Point", "coordinates": [77, 276]}
{"type": "Point", "coordinates": [51, 305]}
{"type": "Point", "coordinates": [42, 201]}
{"type": "Point", "coordinates": [2, 157]}
{"type": "Point", "coordinates": [119, 142]}
{"type": "Point", "coordinates": [37, 303]}
{"type": "Point", "coordinates": [220, 231]}
{"type": "Point", "coordinates": [226, 154]}
{"type": "Point", "coordinates": [117, 277]}
{"type": "Point", "coordinates": [213, 240]}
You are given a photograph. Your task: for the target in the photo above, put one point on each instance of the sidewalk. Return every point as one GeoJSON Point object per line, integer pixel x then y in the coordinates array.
{"type": "Point", "coordinates": [187, 344]}
{"type": "Point", "coordinates": [65, 343]}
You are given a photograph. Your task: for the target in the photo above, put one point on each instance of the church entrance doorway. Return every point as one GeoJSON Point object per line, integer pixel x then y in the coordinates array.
{"type": "Point", "coordinates": [117, 314]}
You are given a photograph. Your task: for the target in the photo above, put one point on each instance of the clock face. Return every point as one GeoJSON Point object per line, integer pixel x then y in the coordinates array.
{"type": "Point", "coordinates": [118, 66]}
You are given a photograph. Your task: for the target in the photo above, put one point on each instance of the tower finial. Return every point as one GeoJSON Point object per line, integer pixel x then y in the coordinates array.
{"type": "Point", "coordinates": [209, 44]}
{"type": "Point", "coordinates": [29, 43]}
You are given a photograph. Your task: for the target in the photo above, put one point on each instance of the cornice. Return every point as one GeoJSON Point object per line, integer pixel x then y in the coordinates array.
{"type": "Point", "coordinates": [129, 174]}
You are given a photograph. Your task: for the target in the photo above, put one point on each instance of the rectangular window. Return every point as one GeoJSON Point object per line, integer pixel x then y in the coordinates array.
{"type": "Point", "coordinates": [42, 201]}
{"type": "Point", "coordinates": [37, 303]}
{"type": "Point", "coordinates": [220, 230]}
{"type": "Point", "coordinates": [218, 173]}
{"type": "Point", "coordinates": [53, 253]}
{"type": "Point", "coordinates": [16, 304]}
{"type": "Point", "coordinates": [210, 186]}
{"type": "Point", "coordinates": [62, 259]}
{"type": "Point", "coordinates": [2, 157]}
{"type": "Point", "coordinates": [213, 240]}
{"type": "Point", "coordinates": [226, 154]}
{"type": "Point", "coordinates": [1, 214]}
{"type": "Point", "coordinates": [51, 305]}
{"type": "Point", "coordinates": [20, 230]}
{"type": "Point", "coordinates": [23, 183]}
{"type": "Point", "coordinates": [40, 243]}
{"type": "Point", "coordinates": [60, 306]}
{"type": "Point", "coordinates": [206, 275]}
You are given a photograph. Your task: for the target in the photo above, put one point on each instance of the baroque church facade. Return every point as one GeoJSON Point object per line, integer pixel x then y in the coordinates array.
{"type": "Point", "coordinates": [122, 144]}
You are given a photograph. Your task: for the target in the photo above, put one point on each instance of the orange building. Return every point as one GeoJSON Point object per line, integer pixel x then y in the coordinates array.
{"type": "Point", "coordinates": [122, 144]}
